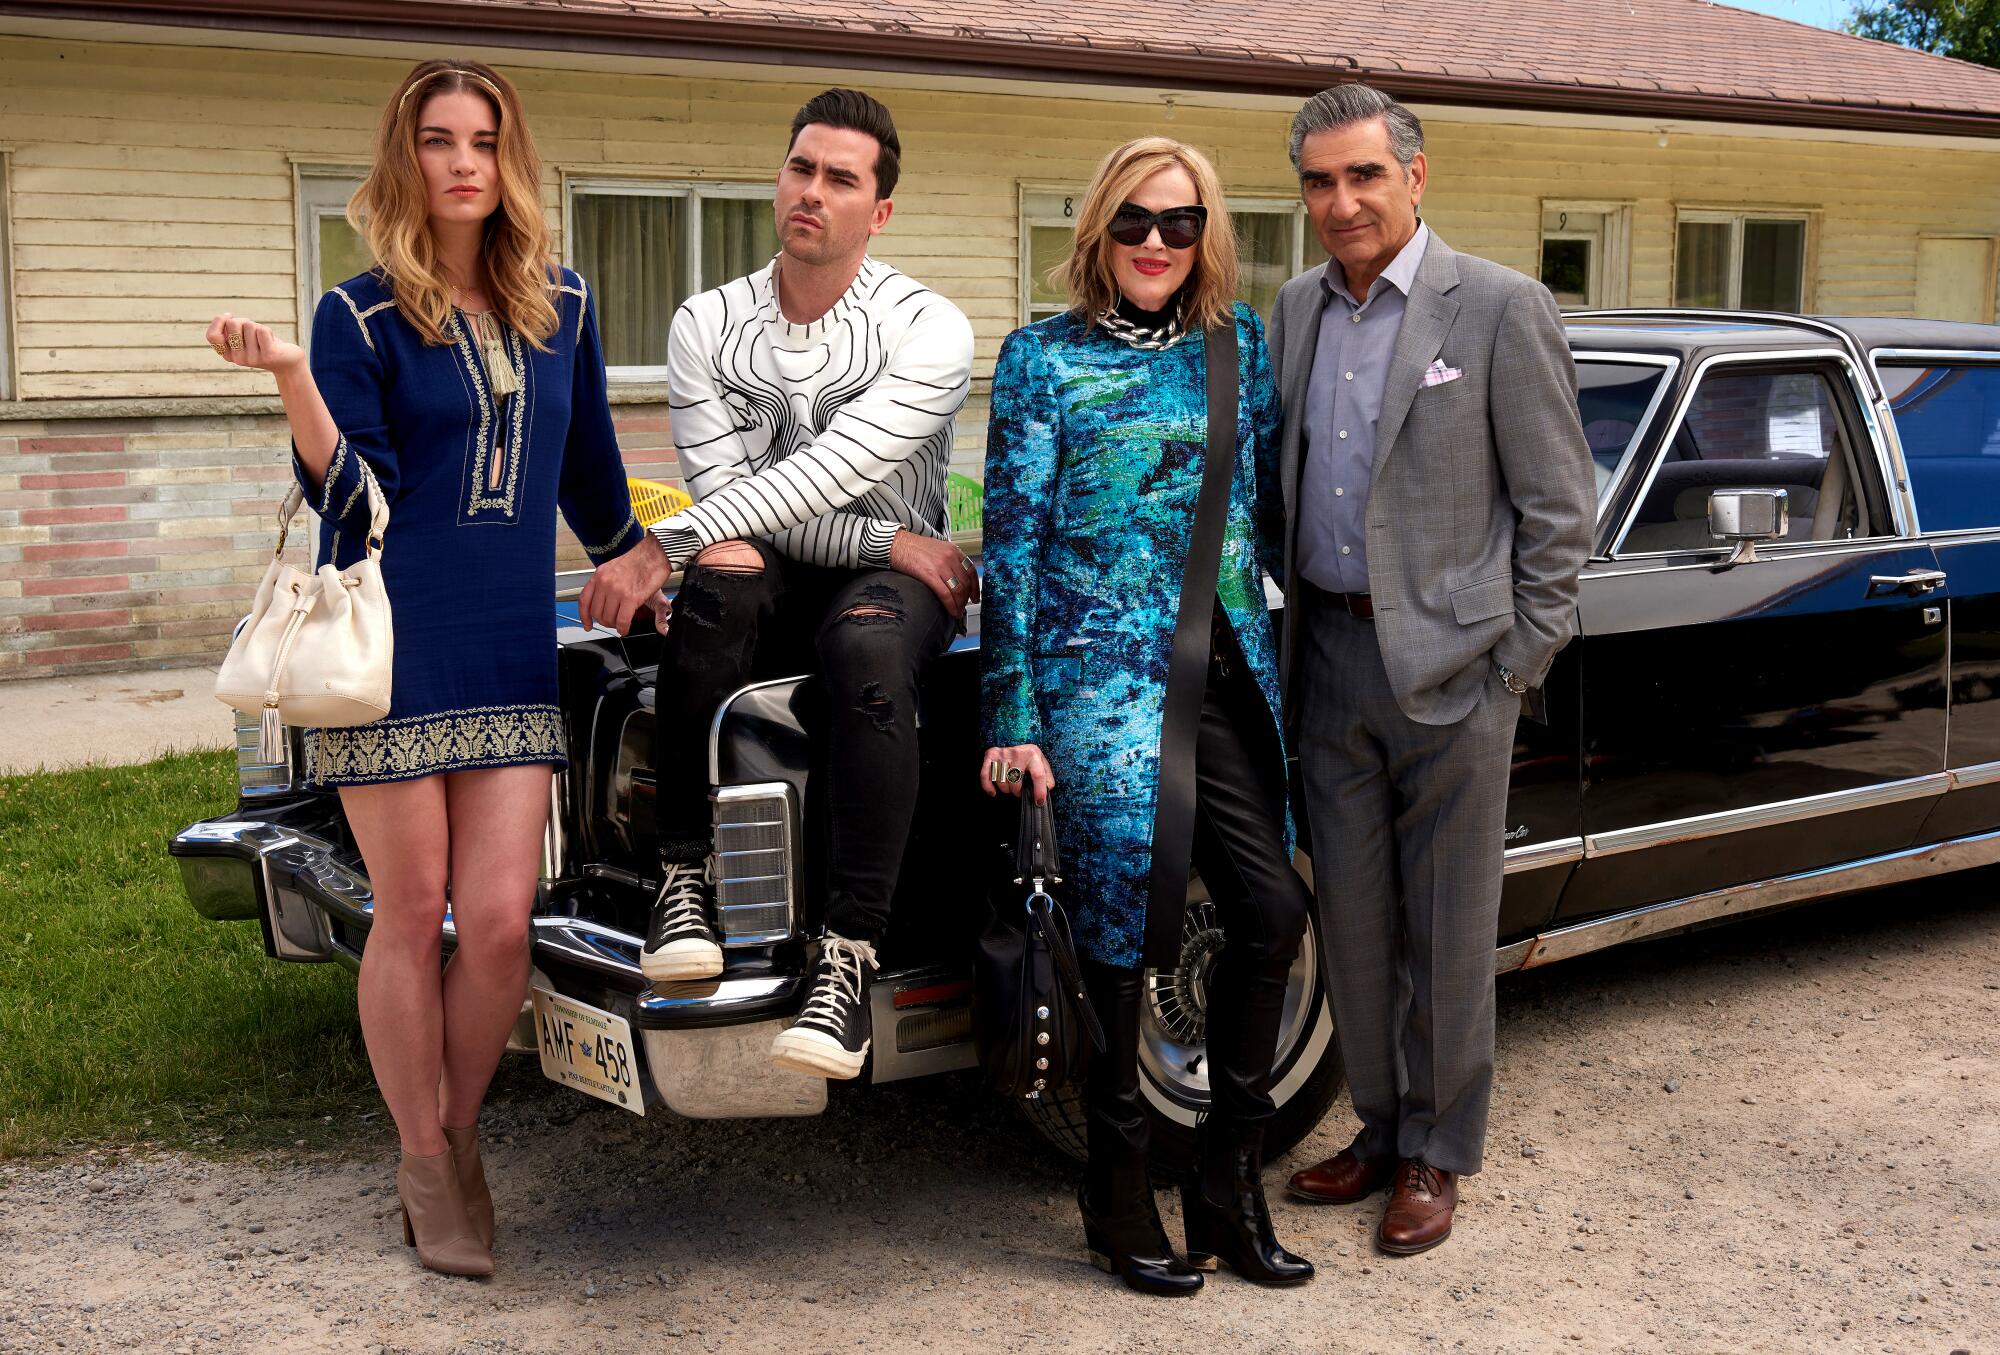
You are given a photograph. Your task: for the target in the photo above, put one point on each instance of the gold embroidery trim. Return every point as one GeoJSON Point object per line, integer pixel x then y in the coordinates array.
{"type": "Point", "coordinates": [480, 500]}
{"type": "Point", "coordinates": [631, 521]}
{"type": "Point", "coordinates": [419, 745]}
{"type": "Point", "coordinates": [332, 473]}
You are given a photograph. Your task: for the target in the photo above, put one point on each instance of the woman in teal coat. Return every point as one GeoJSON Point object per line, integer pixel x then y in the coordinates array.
{"type": "Point", "coordinates": [1095, 459]}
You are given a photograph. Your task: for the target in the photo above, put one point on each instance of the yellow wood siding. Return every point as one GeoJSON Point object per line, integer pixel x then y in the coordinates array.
{"type": "Point", "coordinates": [153, 186]}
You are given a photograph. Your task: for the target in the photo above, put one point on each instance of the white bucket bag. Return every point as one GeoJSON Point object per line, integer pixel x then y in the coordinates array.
{"type": "Point", "coordinates": [316, 649]}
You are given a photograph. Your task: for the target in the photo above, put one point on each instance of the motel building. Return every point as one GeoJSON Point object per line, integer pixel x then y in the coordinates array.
{"type": "Point", "coordinates": [162, 162]}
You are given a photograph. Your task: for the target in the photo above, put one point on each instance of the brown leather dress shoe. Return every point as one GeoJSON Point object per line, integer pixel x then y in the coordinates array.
{"type": "Point", "coordinates": [1420, 1209]}
{"type": "Point", "coordinates": [1342, 1179]}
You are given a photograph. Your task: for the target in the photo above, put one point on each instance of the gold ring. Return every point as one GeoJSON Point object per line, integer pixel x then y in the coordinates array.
{"type": "Point", "coordinates": [220, 351]}
{"type": "Point", "coordinates": [235, 340]}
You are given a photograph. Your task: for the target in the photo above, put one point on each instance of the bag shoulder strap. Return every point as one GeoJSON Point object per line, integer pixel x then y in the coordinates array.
{"type": "Point", "coordinates": [378, 511]}
{"type": "Point", "coordinates": [1187, 668]}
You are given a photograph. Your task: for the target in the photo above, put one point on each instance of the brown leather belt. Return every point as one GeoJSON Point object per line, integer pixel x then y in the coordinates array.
{"type": "Point", "coordinates": [1358, 605]}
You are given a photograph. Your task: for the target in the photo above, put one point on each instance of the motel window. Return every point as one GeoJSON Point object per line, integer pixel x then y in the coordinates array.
{"type": "Point", "coordinates": [644, 247]}
{"type": "Point", "coordinates": [1586, 248]}
{"type": "Point", "coordinates": [330, 251]}
{"type": "Point", "coordinates": [1270, 239]}
{"type": "Point", "coordinates": [1740, 259]}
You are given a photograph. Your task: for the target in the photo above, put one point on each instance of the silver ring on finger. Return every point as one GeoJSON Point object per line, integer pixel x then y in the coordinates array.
{"type": "Point", "coordinates": [952, 584]}
{"type": "Point", "coordinates": [1013, 776]}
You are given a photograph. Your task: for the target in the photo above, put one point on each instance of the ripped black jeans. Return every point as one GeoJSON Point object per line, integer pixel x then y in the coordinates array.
{"type": "Point", "coordinates": [869, 635]}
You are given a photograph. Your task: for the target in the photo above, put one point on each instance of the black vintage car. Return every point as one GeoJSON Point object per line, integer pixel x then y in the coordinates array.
{"type": "Point", "coordinates": [1786, 686]}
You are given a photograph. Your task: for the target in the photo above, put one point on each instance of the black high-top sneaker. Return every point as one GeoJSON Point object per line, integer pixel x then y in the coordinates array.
{"type": "Point", "coordinates": [829, 1037]}
{"type": "Point", "coordinates": [680, 943]}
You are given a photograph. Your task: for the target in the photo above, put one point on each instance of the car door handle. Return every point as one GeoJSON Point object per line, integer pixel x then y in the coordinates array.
{"type": "Point", "coordinates": [1915, 582]}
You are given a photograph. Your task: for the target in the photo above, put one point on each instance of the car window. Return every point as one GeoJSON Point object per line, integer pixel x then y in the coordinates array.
{"type": "Point", "coordinates": [1754, 428]}
{"type": "Point", "coordinates": [1612, 399]}
{"type": "Point", "coordinates": [1948, 420]}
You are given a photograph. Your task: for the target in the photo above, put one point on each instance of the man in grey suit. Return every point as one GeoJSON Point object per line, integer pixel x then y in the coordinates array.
{"type": "Point", "coordinates": [1440, 500]}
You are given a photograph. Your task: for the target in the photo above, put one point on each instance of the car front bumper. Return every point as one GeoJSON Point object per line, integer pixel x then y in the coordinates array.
{"type": "Point", "coordinates": [285, 870]}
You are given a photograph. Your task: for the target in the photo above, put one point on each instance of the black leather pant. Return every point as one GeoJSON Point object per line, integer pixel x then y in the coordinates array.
{"type": "Point", "coordinates": [1263, 906]}
{"type": "Point", "coordinates": [869, 634]}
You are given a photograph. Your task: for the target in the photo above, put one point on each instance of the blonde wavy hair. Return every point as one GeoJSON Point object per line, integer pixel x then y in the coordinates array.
{"type": "Point", "coordinates": [1210, 291]}
{"type": "Point", "coordinates": [391, 210]}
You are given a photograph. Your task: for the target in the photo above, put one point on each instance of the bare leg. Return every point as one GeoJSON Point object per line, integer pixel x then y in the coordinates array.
{"type": "Point", "coordinates": [497, 817]}
{"type": "Point", "coordinates": [403, 833]}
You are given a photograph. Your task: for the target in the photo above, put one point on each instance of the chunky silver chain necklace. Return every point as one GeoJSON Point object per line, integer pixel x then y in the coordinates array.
{"type": "Point", "coordinates": [1140, 336]}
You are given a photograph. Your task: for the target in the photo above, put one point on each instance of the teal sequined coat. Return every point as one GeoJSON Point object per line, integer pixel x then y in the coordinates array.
{"type": "Point", "coordinates": [1094, 461]}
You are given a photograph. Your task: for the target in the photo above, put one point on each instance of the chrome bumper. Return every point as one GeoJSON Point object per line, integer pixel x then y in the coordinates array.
{"type": "Point", "coordinates": [312, 907]}
{"type": "Point", "coordinates": [289, 880]}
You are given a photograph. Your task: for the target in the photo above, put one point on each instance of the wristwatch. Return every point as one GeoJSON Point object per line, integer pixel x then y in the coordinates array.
{"type": "Point", "coordinates": [1514, 682]}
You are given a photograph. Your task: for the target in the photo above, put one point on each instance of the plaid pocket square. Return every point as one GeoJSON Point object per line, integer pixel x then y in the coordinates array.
{"type": "Point", "coordinates": [1437, 373]}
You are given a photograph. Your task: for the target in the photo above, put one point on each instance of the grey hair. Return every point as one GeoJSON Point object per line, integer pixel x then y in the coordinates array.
{"type": "Point", "coordinates": [1345, 105]}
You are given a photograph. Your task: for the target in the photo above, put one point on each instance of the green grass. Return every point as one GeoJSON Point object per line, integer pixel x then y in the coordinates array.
{"type": "Point", "coordinates": [125, 1016]}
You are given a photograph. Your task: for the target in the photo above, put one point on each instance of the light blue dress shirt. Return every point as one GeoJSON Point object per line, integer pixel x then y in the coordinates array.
{"type": "Point", "coordinates": [1343, 401]}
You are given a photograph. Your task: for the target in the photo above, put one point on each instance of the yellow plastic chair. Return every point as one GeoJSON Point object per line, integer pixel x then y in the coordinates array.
{"type": "Point", "coordinates": [653, 500]}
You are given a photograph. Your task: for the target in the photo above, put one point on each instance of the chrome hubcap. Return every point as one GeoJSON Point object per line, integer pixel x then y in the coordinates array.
{"type": "Point", "coordinates": [1173, 1028]}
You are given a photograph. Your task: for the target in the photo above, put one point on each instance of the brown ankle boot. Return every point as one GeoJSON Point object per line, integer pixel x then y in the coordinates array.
{"type": "Point", "coordinates": [434, 1220]}
{"type": "Point", "coordinates": [472, 1180]}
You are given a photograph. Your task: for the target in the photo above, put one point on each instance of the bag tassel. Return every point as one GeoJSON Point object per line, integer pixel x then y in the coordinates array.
{"type": "Point", "coordinates": [271, 726]}
{"type": "Point", "coordinates": [271, 734]}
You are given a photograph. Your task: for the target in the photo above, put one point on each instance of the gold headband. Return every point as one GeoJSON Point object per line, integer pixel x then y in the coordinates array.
{"type": "Point", "coordinates": [450, 70]}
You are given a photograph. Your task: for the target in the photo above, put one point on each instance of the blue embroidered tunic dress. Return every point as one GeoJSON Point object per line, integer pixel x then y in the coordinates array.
{"type": "Point", "coordinates": [1094, 459]}
{"type": "Point", "coordinates": [473, 485]}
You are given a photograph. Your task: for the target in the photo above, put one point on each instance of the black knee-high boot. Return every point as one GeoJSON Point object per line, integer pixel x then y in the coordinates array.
{"type": "Point", "coordinates": [1121, 1224]}
{"type": "Point", "coordinates": [1222, 1198]}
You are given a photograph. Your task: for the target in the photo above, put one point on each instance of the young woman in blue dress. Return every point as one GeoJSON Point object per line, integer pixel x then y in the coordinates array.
{"type": "Point", "coordinates": [463, 374]}
{"type": "Point", "coordinates": [1094, 465]}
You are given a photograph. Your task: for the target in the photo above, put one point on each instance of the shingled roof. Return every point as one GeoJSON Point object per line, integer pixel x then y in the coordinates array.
{"type": "Point", "coordinates": [1666, 58]}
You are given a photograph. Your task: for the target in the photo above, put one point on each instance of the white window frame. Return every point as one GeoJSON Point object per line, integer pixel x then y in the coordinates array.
{"type": "Point", "coordinates": [692, 190]}
{"type": "Point", "coordinates": [318, 191]}
{"type": "Point", "coordinates": [1039, 205]}
{"type": "Point", "coordinates": [9, 355]}
{"type": "Point", "coordinates": [1611, 261]}
{"type": "Point", "coordinates": [1734, 218]}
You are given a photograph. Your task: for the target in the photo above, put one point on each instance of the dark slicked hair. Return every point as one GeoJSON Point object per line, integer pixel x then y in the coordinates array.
{"type": "Point", "coordinates": [858, 112]}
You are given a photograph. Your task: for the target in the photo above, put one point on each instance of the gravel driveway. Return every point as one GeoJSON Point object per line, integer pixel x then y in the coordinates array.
{"type": "Point", "coordinates": [1778, 1136]}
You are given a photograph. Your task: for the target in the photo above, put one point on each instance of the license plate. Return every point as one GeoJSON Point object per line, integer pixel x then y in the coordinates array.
{"type": "Point", "coordinates": [588, 1050]}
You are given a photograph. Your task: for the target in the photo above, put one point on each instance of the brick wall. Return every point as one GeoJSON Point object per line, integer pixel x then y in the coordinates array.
{"type": "Point", "coordinates": [133, 542]}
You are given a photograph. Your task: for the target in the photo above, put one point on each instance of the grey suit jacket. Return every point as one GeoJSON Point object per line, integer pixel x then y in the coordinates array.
{"type": "Point", "coordinates": [1482, 500]}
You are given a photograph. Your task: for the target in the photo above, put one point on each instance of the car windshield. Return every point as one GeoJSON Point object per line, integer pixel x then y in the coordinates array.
{"type": "Point", "coordinates": [1612, 399]}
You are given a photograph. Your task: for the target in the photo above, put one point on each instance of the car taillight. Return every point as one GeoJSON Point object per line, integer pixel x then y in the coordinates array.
{"type": "Point", "coordinates": [254, 776]}
{"type": "Point", "coordinates": [755, 849]}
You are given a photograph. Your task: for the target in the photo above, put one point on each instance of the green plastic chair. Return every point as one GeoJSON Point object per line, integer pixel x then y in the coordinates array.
{"type": "Point", "coordinates": [965, 501]}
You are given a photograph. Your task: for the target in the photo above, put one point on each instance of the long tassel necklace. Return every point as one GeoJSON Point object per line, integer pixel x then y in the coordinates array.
{"type": "Point", "coordinates": [503, 379]}
{"type": "Point", "coordinates": [492, 340]}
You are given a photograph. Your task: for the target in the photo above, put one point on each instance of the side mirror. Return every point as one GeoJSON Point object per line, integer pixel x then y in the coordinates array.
{"type": "Point", "coordinates": [1747, 516]}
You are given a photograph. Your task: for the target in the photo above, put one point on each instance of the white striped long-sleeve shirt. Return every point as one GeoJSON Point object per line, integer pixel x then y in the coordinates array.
{"type": "Point", "coordinates": [822, 438]}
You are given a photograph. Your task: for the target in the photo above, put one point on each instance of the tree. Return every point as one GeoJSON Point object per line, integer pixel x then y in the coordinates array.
{"type": "Point", "coordinates": [1966, 29]}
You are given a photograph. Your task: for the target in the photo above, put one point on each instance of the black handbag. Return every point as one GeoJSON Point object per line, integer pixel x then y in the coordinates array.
{"type": "Point", "coordinates": [1032, 1019]}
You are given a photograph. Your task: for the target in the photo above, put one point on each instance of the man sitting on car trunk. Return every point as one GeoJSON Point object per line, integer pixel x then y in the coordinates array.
{"type": "Point", "coordinates": [813, 404]}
